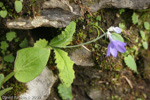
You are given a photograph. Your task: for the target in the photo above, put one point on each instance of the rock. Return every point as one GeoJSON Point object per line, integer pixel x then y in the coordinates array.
{"type": "Point", "coordinates": [95, 93]}
{"type": "Point", "coordinates": [40, 87]}
{"type": "Point", "coordinates": [59, 13]}
{"type": "Point", "coordinates": [81, 57]}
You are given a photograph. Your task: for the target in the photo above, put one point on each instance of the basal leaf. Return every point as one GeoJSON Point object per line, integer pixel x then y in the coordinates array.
{"type": "Point", "coordinates": [18, 6]}
{"type": "Point", "coordinates": [65, 67]}
{"type": "Point", "coordinates": [65, 92]}
{"type": "Point", "coordinates": [30, 62]}
{"type": "Point", "coordinates": [1, 80]}
{"type": "Point", "coordinates": [2, 92]}
{"type": "Point", "coordinates": [10, 36]}
{"type": "Point", "coordinates": [118, 37]}
{"type": "Point", "coordinates": [41, 43]}
{"type": "Point", "coordinates": [130, 62]}
{"type": "Point", "coordinates": [3, 13]}
{"type": "Point", "coordinates": [65, 37]}
{"type": "Point", "coordinates": [135, 18]}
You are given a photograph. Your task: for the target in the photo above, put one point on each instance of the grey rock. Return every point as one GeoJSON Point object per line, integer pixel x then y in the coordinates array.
{"type": "Point", "coordinates": [40, 87]}
{"type": "Point", "coordinates": [95, 93]}
{"type": "Point", "coordinates": [59, 13]}
{"type": "Point", "coordinates": [81, 57]}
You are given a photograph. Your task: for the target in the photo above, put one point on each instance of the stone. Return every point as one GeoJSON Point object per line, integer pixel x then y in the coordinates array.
{"type": "Point", "coordinates": [81, 57]}
{"type": "Point", "coordinates": [40, 87]}
{"type": "Point", "coordinates": [95, 93]}
{"type": "Point", "coordinates": [59, 13]}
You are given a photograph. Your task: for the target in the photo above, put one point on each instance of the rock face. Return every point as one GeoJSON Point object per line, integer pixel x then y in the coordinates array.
{"type": "Point", "coordinates": [40, 87]}
{"type": "Point", "coordinates": [81, 57]}
{"type": "Point", "coordinates": [58, 13]}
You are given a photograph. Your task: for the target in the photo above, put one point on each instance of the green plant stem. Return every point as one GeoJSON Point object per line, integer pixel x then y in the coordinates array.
{"type": "Point", "coordinates": [95, 26]}
{"type": "Point", "coordinates": [8, 77]}
{"type": "Point", "coordinates": [81, 43]}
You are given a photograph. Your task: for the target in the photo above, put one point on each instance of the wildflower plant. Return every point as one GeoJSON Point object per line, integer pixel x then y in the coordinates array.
{"type": "Point", "coordinates": [31, 61]}
{"type": "Point", "coordinates": [115, 46]}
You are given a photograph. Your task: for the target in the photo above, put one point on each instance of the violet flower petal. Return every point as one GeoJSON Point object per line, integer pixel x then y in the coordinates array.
{"type": "Point", "coordinates": [114, 52]}
{"type": "Point", "coordinates": [108, 50]}
{"type": "Point", "coordinates": [117, 29]}
{"type": "Point", "coordinates": [121, 49]}
{"type": "Point", "coordinates": [119, 46]}
{"type": "Point", "coordinates": [114, 47]}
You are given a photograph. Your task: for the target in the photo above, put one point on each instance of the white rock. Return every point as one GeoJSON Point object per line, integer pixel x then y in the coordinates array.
{"type": "Point", "coordinates": [40, 87]}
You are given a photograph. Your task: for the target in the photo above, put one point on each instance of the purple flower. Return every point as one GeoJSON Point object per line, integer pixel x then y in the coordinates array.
{"type": "Point", "coordinates": [115, 46]}
{"type": "Point", "coordinates": [117, 30]}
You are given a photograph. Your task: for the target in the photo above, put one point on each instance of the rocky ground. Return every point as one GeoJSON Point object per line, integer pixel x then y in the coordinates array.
{"type": "Point", "coordinates": [97, 77]}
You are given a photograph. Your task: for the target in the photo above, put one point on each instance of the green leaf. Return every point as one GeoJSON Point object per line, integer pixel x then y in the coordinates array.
{"type": "Point", "coordinates": [121, 11]}
{"type": "Point", "coordinates": [122, 26]}
{"type": "Point", "coordinates": [4, 45]}
{"type": "Point", "coordinates": [1, 80]}
{"type": "Point", "coordinates": [30, 62]}
{"type": "Point", "coordinates": [24, 43]}
{"type": "Point", "coordinates": [146, 25]}
{"type": "Point", "coordinates": [135, 18]}
{"type": "Point", "coordinates": [65, 92]}
{"type": "Point", "coordinates": [65, 67]}
{"type": "Point", "coordinates": [130, 62]}
{"type": "Point", "coordinates": [66, 37]}
{"type": "Point", "coordinates": [98, 18]}
{"type": "Point", "coordinates": [118, 37]}
{"type": "Point", "coordinates": [145, 45]}
{"type": "Point", "coordinates": [2, 92]}
{"type": "Point", "coordinates": [142, 33]}
{"type": "Point", "coordinates": [41, 43]}
{"type": "Point", "coordinates": [10, 36]}
{"type": "Point", "coordinates": [9, 58]}
{"type": "Point", "coordinates": [1, 4]}
{"type": "Point", "coordinates": [18, 6]}
{"type": "Point", "coordinates": [3, 13]}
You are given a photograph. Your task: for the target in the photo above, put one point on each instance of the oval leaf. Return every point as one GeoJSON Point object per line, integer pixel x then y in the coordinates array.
{"type": "Point", "coordinates": [145, 45]}
{"type": "Point", "coordinates": [135, 18]}
{"type": "Point", "coordinates": [3, 13]}
{"type": "Point", "coordinates": [130, 62]}
{"type": "Point", "coordinates": [18, 6]}
{"type": "Point", "coordinates": [146, 25]}
{"type": "Point", "coordinates": [30, 62]}
{"type": "Point", "coordinates": [1, 80]}
{"type": "Point", "coordinates": [118, 37]}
